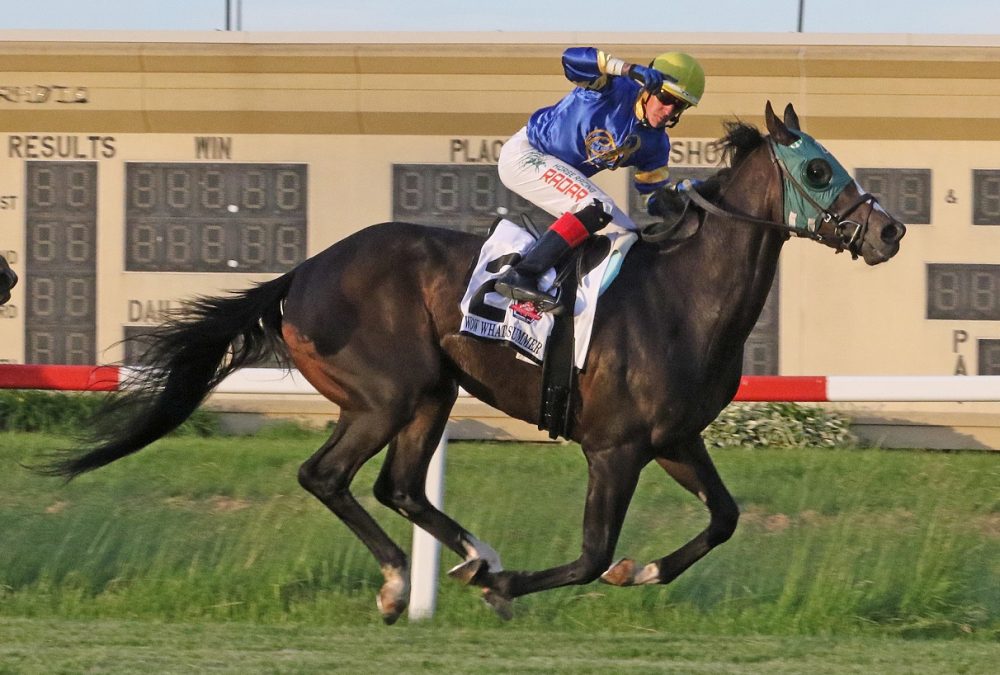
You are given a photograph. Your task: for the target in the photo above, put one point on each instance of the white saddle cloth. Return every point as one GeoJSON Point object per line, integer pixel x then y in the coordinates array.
{"type": "Point", "coordinates": [491, 316]}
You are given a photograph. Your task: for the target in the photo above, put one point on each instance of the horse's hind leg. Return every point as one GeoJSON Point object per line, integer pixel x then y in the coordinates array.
{"type": "Point", "coordinates": [401, 483]}
{"type": "Point", "coordinates": [690, 466]}
{"type": "Point", "coordinates": [328, 475]}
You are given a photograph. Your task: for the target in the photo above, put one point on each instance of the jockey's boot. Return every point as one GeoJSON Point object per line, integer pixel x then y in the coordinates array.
{"type": "Point", "coordinates": [520, 282]}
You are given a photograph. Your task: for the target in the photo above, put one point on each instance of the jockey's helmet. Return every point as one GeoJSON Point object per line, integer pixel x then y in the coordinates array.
{"type": "Point", "coordinates": [683, 76]}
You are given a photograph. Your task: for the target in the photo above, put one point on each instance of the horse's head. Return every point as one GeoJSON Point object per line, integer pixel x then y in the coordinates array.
{"type": "Point", "coordinates": [7, 280]}
{"type": "Point", "coordinates": [821, 198]}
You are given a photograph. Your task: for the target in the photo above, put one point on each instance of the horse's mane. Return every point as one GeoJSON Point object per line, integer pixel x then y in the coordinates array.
{"type": "Point", "coordinates": [740, 140]}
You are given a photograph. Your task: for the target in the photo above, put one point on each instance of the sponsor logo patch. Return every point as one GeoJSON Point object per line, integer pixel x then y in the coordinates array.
{"type": "Point", "coordinates": [567, 185]}
{"type": "Point", "coordinates": [525, 311]}
{"type": "Point", "coordinates": [535, 160]}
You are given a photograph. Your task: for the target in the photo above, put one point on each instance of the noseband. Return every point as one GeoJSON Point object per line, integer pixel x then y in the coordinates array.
{"type": "Point", "coordinates": [847, 234]}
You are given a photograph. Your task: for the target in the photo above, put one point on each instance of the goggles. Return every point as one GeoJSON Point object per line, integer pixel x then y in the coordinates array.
{"type": "Point", "coordinates": [666, 98]}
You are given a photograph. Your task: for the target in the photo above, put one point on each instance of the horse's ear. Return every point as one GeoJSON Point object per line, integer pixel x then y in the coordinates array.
{"type": "Point", "coordinates": [779, 132]}
{"type": "Point", "coordinates": [791, 119]}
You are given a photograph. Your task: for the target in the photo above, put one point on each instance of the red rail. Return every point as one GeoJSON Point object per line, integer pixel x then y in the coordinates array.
{"type": "Point", "coordinates": [66, 378]}
{"type": "Point", "coordinates": [267, 381]}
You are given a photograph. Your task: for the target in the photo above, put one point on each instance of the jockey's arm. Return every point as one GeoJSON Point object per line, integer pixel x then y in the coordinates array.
{"type": "Point", "coordinates": [649, 183]}
{"type": "Point", "coordinates": [670, 197]}
{"type": "Point", "coordinates": [590, 68]}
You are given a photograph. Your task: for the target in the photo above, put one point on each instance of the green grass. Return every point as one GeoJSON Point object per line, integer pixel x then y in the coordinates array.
{"type": "Point", "coordinates": [864, 543]}
{"type": "Point", "coordinates": [43, 646]}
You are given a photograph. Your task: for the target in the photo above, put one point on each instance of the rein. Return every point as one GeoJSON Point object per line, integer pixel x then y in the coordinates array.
{"type": "Point", "coordinates": [847, 234]}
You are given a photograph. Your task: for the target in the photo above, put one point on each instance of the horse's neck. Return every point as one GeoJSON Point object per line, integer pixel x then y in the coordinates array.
{"type": "Point", "coordinates": [740, 258]}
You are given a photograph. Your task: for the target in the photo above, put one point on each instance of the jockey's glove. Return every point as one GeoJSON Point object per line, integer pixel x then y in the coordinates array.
{"type": "Point", "coordinates": [651, 79]}
{"type": "Point", "coordinates": [670, 198]}
{"type": "Point", "coordinates": [689, 184]}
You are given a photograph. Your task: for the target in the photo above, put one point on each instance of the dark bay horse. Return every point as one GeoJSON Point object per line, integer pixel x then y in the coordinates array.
{"type": "Point", "coordinates": [373, 323]}
{"type": "Point", "coordinates": [7, 280]}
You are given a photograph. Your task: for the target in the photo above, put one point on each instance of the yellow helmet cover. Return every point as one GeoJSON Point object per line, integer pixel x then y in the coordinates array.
{"type": "Point", "coordinates": [683, 76]}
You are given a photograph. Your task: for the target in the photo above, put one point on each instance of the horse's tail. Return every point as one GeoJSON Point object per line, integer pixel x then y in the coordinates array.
{"type": "Point", "coordinates": [185, 359]}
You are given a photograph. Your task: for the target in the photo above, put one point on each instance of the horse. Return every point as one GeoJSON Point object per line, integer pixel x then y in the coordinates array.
{"type": "Point", "coordinates": [7, 280]}
{"type": "Point", "coordinates": [373, 323]}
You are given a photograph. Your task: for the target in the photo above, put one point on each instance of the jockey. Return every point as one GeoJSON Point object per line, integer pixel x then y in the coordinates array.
{"type": "Point", "coordinates": [616, 116]}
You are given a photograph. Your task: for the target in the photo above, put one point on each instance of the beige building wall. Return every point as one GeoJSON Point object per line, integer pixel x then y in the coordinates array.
{"type": "Point", "coordinates": [350, 106]}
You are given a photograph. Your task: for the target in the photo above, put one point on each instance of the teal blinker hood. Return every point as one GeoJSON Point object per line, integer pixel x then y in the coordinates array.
{"type": "Point", "coordinates": [804, 202]}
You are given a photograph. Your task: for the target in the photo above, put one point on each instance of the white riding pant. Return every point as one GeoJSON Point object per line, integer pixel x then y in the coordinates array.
{"type": "Point", "coordinates": [550, 183]}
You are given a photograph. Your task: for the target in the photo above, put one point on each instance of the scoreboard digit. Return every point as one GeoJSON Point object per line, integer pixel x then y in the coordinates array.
{"type": "Point", "coordinates": [457, 196]}
{"type": "Point", "coordinates": [760, 355]}
{"type": "Point", "coordinates": [214, 217]}
{"type": "Point", "coordinates": [963, 291]}
{"type": "Point", "coordinates": [986, 197]}
{"type": "Point", "coordinates": [905, 193]}
{"type": "Point", "coordinates": [61, 226]}
{"type": "Point", "coordinates": [989, 357]}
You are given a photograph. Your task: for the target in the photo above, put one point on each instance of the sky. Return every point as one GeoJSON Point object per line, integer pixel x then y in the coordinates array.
{"type": "Point", "coordinates": [819, 16]}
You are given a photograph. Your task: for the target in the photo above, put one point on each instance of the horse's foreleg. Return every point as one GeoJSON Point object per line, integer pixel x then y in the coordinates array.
{"type": "Point", "coordinates": [328, 475]}
{"type": "Point", "coordinates": [690, 466]}
{"type": "Point", "coordinates": [613, 476]}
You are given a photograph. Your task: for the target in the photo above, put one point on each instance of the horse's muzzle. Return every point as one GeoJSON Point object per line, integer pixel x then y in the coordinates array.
{"type": "Point", "coordinates": [8, 279]}
{"type": "Point", "coordinates": [892, 232]}
{"type": "Point", "coordinates": [883, 245]}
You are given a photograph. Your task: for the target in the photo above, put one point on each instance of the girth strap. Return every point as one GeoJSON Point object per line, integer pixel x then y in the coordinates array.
{"type": "Point", "coordinates": [558, 366]}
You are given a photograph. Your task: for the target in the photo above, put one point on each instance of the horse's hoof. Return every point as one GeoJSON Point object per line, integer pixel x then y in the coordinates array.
{"type": "Point", "coordinates": [393, 598]}
{"type": "Point", "coordinates": [503, 606]}
{"type": "Point", "coordinates": [622, 573]}
{"type": "Point", "coordinates": [468, 571]}
{"type": "Point", "coordinates": [391, 609]}
{"type": "Point", "coordinates": [650, 574]}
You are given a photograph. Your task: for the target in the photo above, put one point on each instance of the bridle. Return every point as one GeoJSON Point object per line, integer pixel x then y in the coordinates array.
{"type": "Point", "coordinates": [847, 234]}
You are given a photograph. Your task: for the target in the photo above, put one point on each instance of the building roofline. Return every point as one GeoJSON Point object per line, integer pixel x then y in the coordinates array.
{"type": "Point", "coordinates": [503, 38]}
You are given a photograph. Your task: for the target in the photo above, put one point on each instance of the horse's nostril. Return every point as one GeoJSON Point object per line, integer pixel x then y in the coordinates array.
{"type": "Point", "coordinates": [892, 232]}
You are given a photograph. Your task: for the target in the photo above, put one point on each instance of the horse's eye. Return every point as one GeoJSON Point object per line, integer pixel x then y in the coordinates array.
{"type": "Point", "coordinates": [818, 173]}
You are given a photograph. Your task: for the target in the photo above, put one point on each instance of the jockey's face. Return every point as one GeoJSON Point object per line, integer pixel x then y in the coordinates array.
{"type": "Point", "coordinates": [663, 110]}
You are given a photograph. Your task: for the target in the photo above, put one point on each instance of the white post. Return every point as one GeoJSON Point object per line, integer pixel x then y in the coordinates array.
{"type": "Point", "coordinates": [426, 549]}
